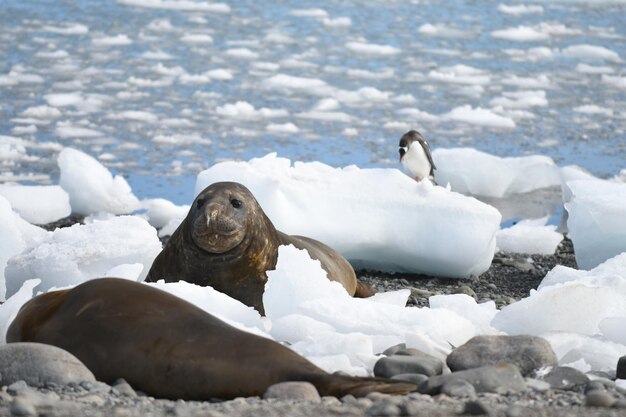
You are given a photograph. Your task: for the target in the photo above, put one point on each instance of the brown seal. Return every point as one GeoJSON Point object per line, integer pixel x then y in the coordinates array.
{"type": "Point", "coordinates": [169, 348]}
{"type": "Point", "coordinates": [227, 242]}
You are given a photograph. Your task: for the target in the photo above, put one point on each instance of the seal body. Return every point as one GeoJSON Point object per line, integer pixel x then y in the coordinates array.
{"type": "Point", "coordinates": [415, 156]}
{"type": "Point", "coordinates": [228, 242]}
{"type": "Point", "coordinates": [167, 347]}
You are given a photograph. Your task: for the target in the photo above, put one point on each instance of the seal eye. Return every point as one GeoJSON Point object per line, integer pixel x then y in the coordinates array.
{"type": "Point", "coordinates": [200, 202]}
{"type": "Point", "coordinates": [236, 203]}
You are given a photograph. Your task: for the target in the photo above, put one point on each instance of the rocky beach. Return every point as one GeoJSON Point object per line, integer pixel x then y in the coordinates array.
{"type": "Point", "coordinates": [493, 390]}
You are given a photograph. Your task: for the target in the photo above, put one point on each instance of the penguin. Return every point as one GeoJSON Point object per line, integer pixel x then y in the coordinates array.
{"type": "Point", "coordinates": [415, 156]}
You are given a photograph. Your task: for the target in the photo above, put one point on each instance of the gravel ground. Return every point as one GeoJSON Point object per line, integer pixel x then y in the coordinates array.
{"type": "Point", "coordinates": [510, 277]}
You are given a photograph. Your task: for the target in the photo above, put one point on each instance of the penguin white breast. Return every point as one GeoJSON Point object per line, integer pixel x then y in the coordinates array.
{"type": "Point", "coordinates": [416, 162]}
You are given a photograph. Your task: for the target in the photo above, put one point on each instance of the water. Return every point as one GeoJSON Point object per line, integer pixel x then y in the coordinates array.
{"type": "Point", "coordinates": [113, 60]}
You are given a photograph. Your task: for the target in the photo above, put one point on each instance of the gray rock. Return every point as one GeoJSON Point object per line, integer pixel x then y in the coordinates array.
{"type": "Point", "coordinates": [494, 378]}
{"type": "Point", "coordinates": [621, 404]}
{"type": "Point", "coordinates": [393, 349]}
{"type": "Point", "coordinates": [620, 372]}
{"type": "Point", "coordinates": [17, 387]}
{"type": "Point", "coordinates": [21, 406]}
{"type": "Point", "coordinates": [566, 378]}
{"type": "Point", "coordinates": [410, 352]}
{"type": "Point", "coordinates": [124, 388]}
{"type": "Point", "coordinates": [599, 398]}
{"type": "Point", "coordinates": [527, 352]}
{"type": "Point", "coordinates": [595, 386]}
{"type": "Point", "coordinates": [412, 378]}
{"type": "Point", "coordinates": [465, 290]}
{"type": "Point", "coordinates": [458, 388]}
{"type": "Point", "coordinates": [38, 364]}
{"type": "Point", "coordinates": [403, 364]}
{"type": "Point", "coordinates": [293, 390]}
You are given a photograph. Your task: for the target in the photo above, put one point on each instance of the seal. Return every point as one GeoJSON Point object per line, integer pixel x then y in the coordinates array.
{"type": "Point", "coordinates": [169, 348]}
{"type": "Point", "coordinates": [228, 242]}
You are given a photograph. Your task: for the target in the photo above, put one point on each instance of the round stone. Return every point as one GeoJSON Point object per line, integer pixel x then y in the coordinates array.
{"type": "Point", "coordinates": [293, 390]}
{"type": "Point", "coordinates": [599, 398]}
{"type": "Point", "coordinates": [38, 364]}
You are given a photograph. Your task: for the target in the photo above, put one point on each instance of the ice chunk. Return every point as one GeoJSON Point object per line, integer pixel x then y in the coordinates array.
{"type": "Point", "coordinates": [216, 303]}
{"type": "Point", "coordinates": [465, 306]}
{"type": "Point", "coordinates": [78, 253]}
{"type": "Point", "coordinates": [38, 204]}
{"type": "Point", "coordinates": [299, 292]}
{"type": "Point", "coordinates": [530, 236]}
{"type": "Point", "coordinates": [470, 171]}
{"type": "Point", "coordinates": [10, 308]}
{"type": "Point", "coordinates": [599, 354]}
{"type": "Point", "coordinates": [15, 234]}
{"type": "Point", "coordinates": [91, 187]}
{"type": "Point", "coordinates": [596, 220]}
{"type": "Point", "coordinates": [378, 218]}
{"type": "Point", "coordinates": [161, 212]}
{"type": "Point", "coordinates": [572, 307]}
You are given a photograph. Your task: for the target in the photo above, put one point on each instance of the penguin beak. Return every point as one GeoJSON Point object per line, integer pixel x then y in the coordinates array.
{"type": "Point", "coordinates": [402, 151]}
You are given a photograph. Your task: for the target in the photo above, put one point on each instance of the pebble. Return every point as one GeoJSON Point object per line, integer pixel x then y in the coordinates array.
{"type": "Point", "coordinates": [476, 408]}
{"type": "Point", "coordinates": [599, 398]}
{"type": "Point", "coordinates": [38, 364]}
{"type": "Point", "coordinates": [293, 390]}
{"type": "Point", "coordinates": [403, 364]}
{"type": "Point", "coordinates": [22, 407]}
{"type": "Point", "coordinates": [383, 409]}
{"type": "Point", "coordinates": [92, 399]}
{"type": "Point", "coordinates": [492, 378]}
{"type": "Point", "coordinates": [537, 384]}
{"type": "Point", "coordinates": [17, 387]}
{"type": "Point", "coordinates": [514, 411]}
{"type": "Point", "coordinates": [566, 378]}
{"type": "Point", "coordinates": [527, 352]}
{"type": "Point", "coordinates": [124, 388]}
{"type": "Point", "coordinates": [620, 372]}
{"type": "Point", "coordinates": [458, 388]}
{"type": "Point", "coordinates": [465, 290]}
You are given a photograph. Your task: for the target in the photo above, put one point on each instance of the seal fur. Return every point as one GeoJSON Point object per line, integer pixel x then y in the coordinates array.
{"type": "Point", "coordinates": [169, 348]}
{"type": "Point", "coordinates": [227, 242]}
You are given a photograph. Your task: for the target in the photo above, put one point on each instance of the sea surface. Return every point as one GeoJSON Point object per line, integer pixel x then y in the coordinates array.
{"type": "Point", "coordinates": [158, 90]}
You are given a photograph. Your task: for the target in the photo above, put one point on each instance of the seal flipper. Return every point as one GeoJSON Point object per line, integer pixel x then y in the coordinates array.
{"type": "Point", "coordinates": [339, 385]}
{"type": "Point", "coordinates": [363, 290]}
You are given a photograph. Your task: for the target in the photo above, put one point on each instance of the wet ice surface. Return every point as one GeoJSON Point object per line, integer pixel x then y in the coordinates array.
{"type": "Point", "coordinates": [159, 90]}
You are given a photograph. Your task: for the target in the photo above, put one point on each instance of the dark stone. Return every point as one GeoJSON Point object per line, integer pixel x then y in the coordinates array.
{"type": "Point", "coordinates": [458, 388]}
{"type": "Point", "coordinates": [403, 364]}
{"type": "Point", "coordinates": [620, 373]}
{"type": "Point", "coordinates": [493, 378]}
{"type": "Point", "coordinates": [412, 378]}
{"type": "Point", "coordinates": [393, 349]}
{"type": "Point", "coordinates": [566, 378]}
{"type": "Point", "coordinates": [527, 352]}
{"type": "Point", "coordinates": [477, 408]}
